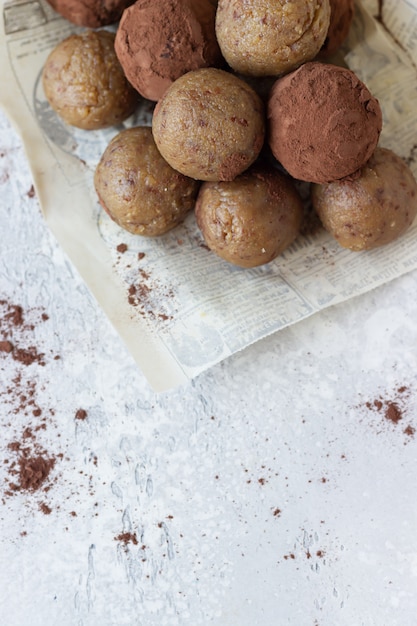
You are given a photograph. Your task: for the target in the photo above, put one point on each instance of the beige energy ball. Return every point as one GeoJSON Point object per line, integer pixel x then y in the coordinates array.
{"type": "Point", "coordinates": [209, 125]}
{"type": "Point", "coordinates": [138, 189]}
{"type": "Point", "coordinates": [249, 221]}
{"type": "Point", "coordinates": [371, 210]}
{"type": "Point", "coordinates": [84, 82]}
{"type": "Point", "coordinates": [271, 37]}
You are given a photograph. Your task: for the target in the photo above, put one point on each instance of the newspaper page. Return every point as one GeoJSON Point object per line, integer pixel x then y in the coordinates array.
{"type": "Point", "coordinates": [179, 308]}
{"type": "Point", "coordinates": [399, 18]}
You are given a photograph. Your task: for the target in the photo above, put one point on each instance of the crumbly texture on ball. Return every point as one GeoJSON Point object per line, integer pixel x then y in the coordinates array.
{"type": "Point", "coordinates": [209, 125]}
{"type": "Point", "coordinates": [251, 220]}
{"type": "Point", "coordinates": [138, 189]}
{"type": "Point", "coordinates": [270, 37]}
{"type": "Point", "coordinates": [341, 18]}
{"type": "Point", "coordinates": [373, 210]}
{"type": "Point", "coordinates": [90, 13]}
{"type": "Point", "coordinates": [323, 123]}
{"type": "Point", "coordinates": [158, 41]}
{"type": "Point", "coordinates": [84, 82]}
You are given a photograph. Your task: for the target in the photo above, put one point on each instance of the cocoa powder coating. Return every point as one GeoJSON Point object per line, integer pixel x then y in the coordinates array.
{"type": "Point", "coordinates": [158, 41]}
{"type": "Point", "coordinates": [90, 12]}
{"type": "Point", "coordinates": [341, 17]}
{"type": "Point", "coordinates": [324, 124]}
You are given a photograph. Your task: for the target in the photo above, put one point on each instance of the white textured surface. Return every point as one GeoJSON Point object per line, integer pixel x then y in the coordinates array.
{"type": "Point", "coordinates": [265, 492]}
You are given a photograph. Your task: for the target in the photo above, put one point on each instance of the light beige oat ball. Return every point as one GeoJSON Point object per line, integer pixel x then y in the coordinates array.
{"type": "Point", "coordinates": [209, 125]}
{"type": "Point", "coordinates": [138, 189]}
{"type": "Point", "coordinates": [84, 82]}
{"type": "Point", "coordinates": [372, 210]}
{"type": "Point", "coordinates": [271, 37]}
{"type": "Point", "coordinates": [251, 220]}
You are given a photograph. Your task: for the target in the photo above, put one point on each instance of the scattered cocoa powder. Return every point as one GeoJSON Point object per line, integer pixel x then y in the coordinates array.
{"type": "Point", "coordinates": [319, 553]}
{"type": "Point", "coordinates": [393, 407]}
{"type": "Point", "coordinates": [148, 297]}
{"type": "Point", "coordinates": [46, 510]}
{"type": "Point", "coordinates": [29, 465]}
{"type": "Point", "coordinates": [393, 412]}
{"type": "Point", "coordinates": [29, 355]}
{"type": "Point", "coordinates": [13, 314]}
{"type": "Point", "coordinates": [81, 414]}
{"type": "Point", "coordinates": [6, 346]}
{"type": "Point", "coordinates": [127, 537]}
{"type": "Point", "coordinates": [32, 467]}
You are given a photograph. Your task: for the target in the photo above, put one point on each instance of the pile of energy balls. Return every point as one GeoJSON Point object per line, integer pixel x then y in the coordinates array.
{"type": "Point", "coordinates": [248, 101]}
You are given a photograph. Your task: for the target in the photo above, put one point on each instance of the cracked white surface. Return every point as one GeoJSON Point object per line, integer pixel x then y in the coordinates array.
{"type": "Point", "coordinates": [270, 490]}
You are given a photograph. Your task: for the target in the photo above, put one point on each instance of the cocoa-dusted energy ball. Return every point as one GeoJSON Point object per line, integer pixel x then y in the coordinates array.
{"type": "Point", "coordinates": [209, 125]}
{"type": "Point", "coordinates": [84, 82]}
{"type": "Point", "coordinates": [138, 189]}
{"type": "Point", "coordinates": [249, 221]}
{"type": "Point", "coordinates": [90, 13]}
{"type": "Point", "coordinates": [159, 41]}
{"type": "Point", "coordinates": [341, 17]}
{"type": "Point", "coordinates": [323, 123]}
{"type": "Point", "coordinates": [371, 210]}
{"type": "Point", "coordinates": [270, 37]}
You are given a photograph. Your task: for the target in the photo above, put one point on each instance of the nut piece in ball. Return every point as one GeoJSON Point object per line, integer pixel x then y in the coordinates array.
{"type": "Point", "coordinates": [209, 125]}
{"type": "Point", "coordinates": [90, 13]}
{"type": "Point", "coordinates": [324, 124]}
{"type": "Point", "coordinates": [84, 82]}
{"type": "Point", "coordinates": [372, 210]}
{"type": "Point", "coordinates": [270, 37]}
{"type": "Point", "coordinates": [157, 42]}
{"type": "Point", "coordinates": [251, 220]}
{"type": "Point", "coordinates": [138, 189]}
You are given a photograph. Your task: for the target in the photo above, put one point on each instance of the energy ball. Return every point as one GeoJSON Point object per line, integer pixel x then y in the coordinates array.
{"type": "Point", "coordinates": [249, 221]}
{"type": "Point", "coordinates": [341, 18]}
{"type": "Point", "coordinates": [90, 13]}
{"type": "Point", "coordinates": [372, 210]}
{"type": "Point", "coordinates": [160, 40]}
{"type": "Point", "coordinates": [84, 82]}
{"type": "Point", "coordinates": [324, 124]}
{"type": "Point", "coordinates": [138, 189]}
{"type": "Point", "coordinates": [209, 125]}
{"type": "Point", "coordinates": [271, 37]}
